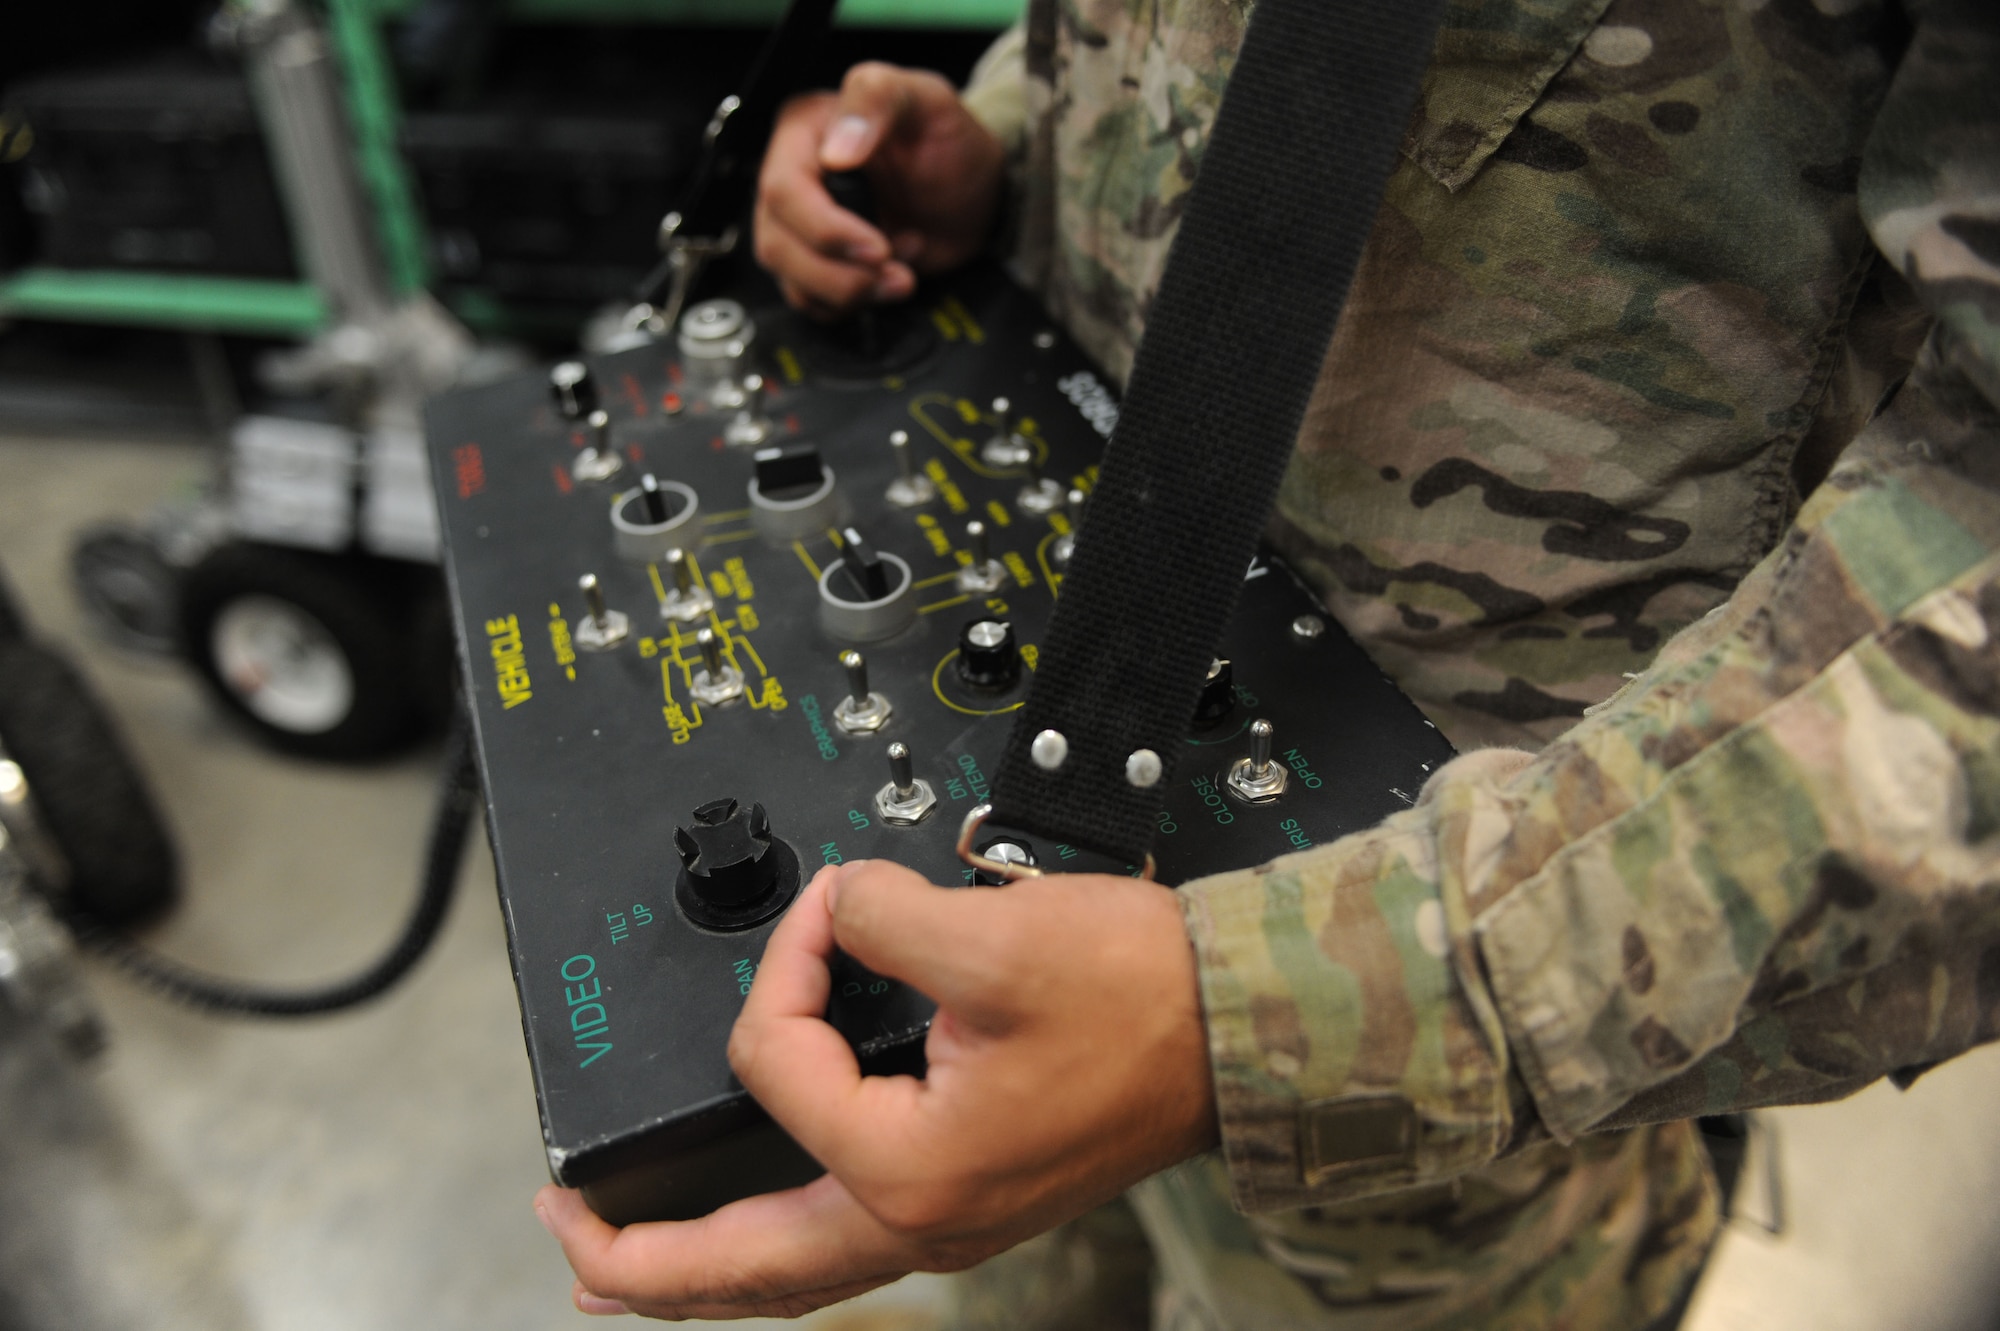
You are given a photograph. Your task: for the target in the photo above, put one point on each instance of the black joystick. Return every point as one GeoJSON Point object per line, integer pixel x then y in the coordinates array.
{"type": "Point", "coordinates": [574, 390]}
{"type": "Point", "coordinates": [734, 873]}
{"type": "Point", "coordinates": [1218, 694]}
{"type": "Point", "coordinates": [862, 568]}
{"type": "Point", "coordinates": [851, 190]}
{"type": "Point", "coordinates": [987, 655]}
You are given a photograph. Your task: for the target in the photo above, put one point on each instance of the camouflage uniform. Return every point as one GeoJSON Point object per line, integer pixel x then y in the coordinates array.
{"type": "Point", "coordinates": [1680, 318]}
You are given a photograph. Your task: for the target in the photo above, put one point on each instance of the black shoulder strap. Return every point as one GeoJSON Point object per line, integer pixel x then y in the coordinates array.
{"type": "Point", "coordinates": [1289, 185]}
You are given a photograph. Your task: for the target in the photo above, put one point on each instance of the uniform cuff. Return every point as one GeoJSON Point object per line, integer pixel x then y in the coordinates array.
{"type": "Point", "coordinates": [1350, 1054]}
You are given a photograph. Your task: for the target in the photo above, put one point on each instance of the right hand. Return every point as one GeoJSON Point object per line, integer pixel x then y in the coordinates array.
{"type": "Point", "coordinates": [936, 172]}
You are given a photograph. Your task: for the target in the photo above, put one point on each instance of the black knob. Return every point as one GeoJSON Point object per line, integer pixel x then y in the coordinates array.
{"type": "Point", "coordinates": [788, 471]}
{"type": "Point", "coordinates": [987, 655]}
{"type": "Point", "coordinates": [1218, 694]}
{"type": "Point", "coordinates": [734, 873]}
{"type": "Point", "coordinates": [574, 390]}
{"type": "Point", "coordinates": [864, 577]}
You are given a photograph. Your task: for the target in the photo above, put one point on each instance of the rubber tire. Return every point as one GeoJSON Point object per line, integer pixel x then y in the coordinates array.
{"type": "Point", "coordinates": [363, 603]}
{"type": "Point", "coordinates": [123, 867]}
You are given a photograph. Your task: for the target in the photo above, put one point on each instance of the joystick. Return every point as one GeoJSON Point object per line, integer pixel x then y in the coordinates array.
{"type": "Point", "coordinates": [988, 658]}
{"type": "Point", "coordinates": [714, 340]}
{"type": "Point", "coordinates": [865, 596]}
{"type": "Point", "coordinates": [861, 712]}
{"type": "Point", "coordinates": [574, 390]}
{"type": "Point", "coordinates": [648, 522]}
{"type": "Point", "coordinates": [734, 873]}
{"type": "Point", "coordinates": [597, 460]}
{"type": "Point", "coordinates": [985, 573]}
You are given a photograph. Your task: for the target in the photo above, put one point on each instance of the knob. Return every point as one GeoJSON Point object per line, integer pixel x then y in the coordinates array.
{"type": "Point", "coordinates": [908, 799]}
{"type": "Point", "coordinates": [1003, 448]}
{"type": "Point", "coordinates": [792, 494]}
{"type": "Point", "coordinates": [1007, 852]}
{"type": "Point", "coordinates": [574, 389]}
{"type": "Point", "coordinates": [1256, 779]}
{"type": "Point", "coordinates": [862, 711]}
{"type": "Point", "coordinates": [987, 655]}
{"type": "Point", "coordinates": [714, 340]}
{"type": "Point", "coordinates": [1218, 693]}
{"type": "Point", "coordinates": [734, 872]}
{"type": "Point", "coordinates": [865, 595]}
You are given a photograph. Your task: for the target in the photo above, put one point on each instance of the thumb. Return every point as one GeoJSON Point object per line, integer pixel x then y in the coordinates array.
{"type": "Point", "coordinates": [958, 946]}
{"type": "Point", "coordinates": [873, 97]}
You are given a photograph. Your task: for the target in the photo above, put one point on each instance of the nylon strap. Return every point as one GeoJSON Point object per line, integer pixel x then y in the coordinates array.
{"type": "Point", "coordinates": [1289, 186]}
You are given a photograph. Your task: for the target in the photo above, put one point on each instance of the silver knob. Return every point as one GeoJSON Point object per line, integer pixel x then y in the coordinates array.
{"type": "Point", "coordinates": [984, 573]}
{"type": "Point", "coordinates": [597, 461]}
{"type": "Point", "coordinates": [602, 628]}
{"type": "Point", "coordinates": [908, 799]}
{"type": "Point", "coordinates": [1003, 448]}
{"type": "Point", "coordinates": [686, 600]}
{"type": "Point", "coordinates": [750, 426]}
{"type": "Point", "coordinates": [1065, 545]}
{"type": "Point", "coordinates": [1256, 779]}
{"type": "Point", "coordinates": [717, 681]}
{"type": "Point", "coordinates": [911, 487]}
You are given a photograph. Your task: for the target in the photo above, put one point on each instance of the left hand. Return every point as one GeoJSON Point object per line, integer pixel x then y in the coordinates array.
{"type": "Point", "coordinates": [1068, 1060]}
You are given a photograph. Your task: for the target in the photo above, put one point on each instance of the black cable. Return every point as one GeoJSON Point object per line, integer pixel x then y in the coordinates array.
{"type": "Point", "coordinates": [458, 792]}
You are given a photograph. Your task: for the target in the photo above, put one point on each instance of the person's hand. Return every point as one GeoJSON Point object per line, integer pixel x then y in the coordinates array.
{"type": "Point", "coordinates": [1067, 1061]}
{"type": "Point", "coordinates": [936, 174]}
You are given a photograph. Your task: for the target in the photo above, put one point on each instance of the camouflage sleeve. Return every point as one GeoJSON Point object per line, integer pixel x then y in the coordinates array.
{"type": "Point", "coordinates": [1766, 871]}
{"type": "Point", "coordinates": [996, 94]}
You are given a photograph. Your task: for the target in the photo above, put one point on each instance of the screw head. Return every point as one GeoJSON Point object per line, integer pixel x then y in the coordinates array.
{"type": "Point", "coordinates": [1049, 750]}
{"type": "Point", "coordinates": [1143, 769]}
{"type": "Point", "coordinates": [1307, 627]}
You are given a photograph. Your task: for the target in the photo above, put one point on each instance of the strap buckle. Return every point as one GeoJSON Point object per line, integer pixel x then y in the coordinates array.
{"type": "Point", "coordinates": [1006, 870]}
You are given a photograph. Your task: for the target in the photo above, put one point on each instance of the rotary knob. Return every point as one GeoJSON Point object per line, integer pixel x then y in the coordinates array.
{"type": "Point", "coordinates": [988, 657]}
{"type": "Point", "coordinates": [734, 873]}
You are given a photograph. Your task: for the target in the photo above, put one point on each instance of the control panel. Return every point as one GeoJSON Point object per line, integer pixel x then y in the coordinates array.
{"type": "Point", "coordinates": [762, 596]}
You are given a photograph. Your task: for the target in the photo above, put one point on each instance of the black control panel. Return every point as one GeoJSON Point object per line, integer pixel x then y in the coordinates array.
{"type": "Point", "coordinates": [762, 596]}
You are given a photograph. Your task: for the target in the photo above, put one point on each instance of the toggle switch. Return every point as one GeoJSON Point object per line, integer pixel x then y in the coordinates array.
{"type": "Point", "coordinates": [574, 389]}
{"type": "Point", "coordinates": [988, 658]}
{"type": "Point", "coordinates": [1218, 694]}
{"type": "Point", "coordinates": [734, 872]}
{"type": "Point", "coordinates": [865, 595]}
{"type": "Point", "coordinates": [911, 487]}
{"type": "Point", "coordinates": [908, 799]}
{"type": "Point", "coordinates": [750, 426]}
{"type": "Point", "coordinates": [716, 682]}
{"type": "Point", "coordinates": [1257, 779]}
{"type": "Point", "coordinates": [601, 628]}
{"type": "Point", "coordinates": [1004, 448]}
{"type": "Point", "coordinates": [985, 573]}
{"type": "Point", "coordinates": [650, 520]}
{"type": "Point", "coordinates": [792, 493]}
{"type": "Point", "coordinates": [1042, 495]}
{"type": "Point", "coordinates": [861, 712]}
{"type": "Point", "coordinates": [686, 600]}
{"type": "Point", "coordinates": [1064, 548]}
{"type": "Point", "coordinates": [597, 460]}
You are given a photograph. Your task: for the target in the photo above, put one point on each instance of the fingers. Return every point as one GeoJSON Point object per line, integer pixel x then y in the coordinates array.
{"type": "Point", "coordinates": [874, 97]}
{"type": "Point", "coordinates": [822, 254]}
{"type": "Point", "coordinates": [956, 946]}
{"type": "Point", "coordinates": [781, 1254]}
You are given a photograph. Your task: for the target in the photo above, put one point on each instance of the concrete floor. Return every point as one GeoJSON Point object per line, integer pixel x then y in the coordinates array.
{"type": "Point", "coordinates": [372, 1171]}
